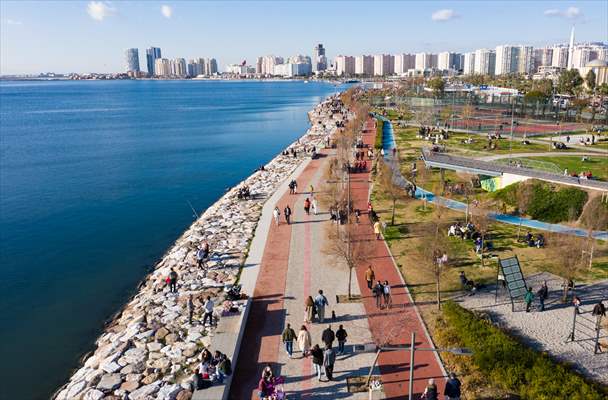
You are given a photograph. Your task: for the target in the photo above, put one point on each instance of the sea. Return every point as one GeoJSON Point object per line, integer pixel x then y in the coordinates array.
{"type": "Point", "coordinates": [97, 180]}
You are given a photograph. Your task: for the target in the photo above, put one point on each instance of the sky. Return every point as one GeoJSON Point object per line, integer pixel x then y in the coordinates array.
{"type": "Point", "coordinates": [91, 36]}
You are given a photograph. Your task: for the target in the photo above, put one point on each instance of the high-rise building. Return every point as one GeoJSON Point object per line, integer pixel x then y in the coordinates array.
{"type": "Point", "coordinates": [485, 61]}
{"type": "Point", "coordinates": [201, 65]}
{"type": "Point", "coordinates": [424, 61]}
{"type": "Point", "coordinates": [507, 59]}
{"type": "Point", "coordinates": [447, 61]}
{"type": "Point", "coordinates": [384, 64]}
{"type": "Point", "coordinates": [364, 65]}
{"type": "Point", "coordinates": [468, 67]}
{"type": "Point", "coordinates": [542, 57]}
{"type": "Point", "coordinates": [525, 63]}
{"type": "Point", "coordinates": [210, 66]}
{"type": "Point", "coordinates": [319, 61]}
{"type": "Point", "coordinates": [195, 67]}
{"type": "Point", "coordinates": [152, 53]}
{"type": "Point", "coordinates": [404, 62]}
{"type": "Point", "coordinates": [178, 67]}
{"type": "Point", "coordinates": [559, 57]}
{"type": "Point", "coordinates": [345, 65]}
{"type": "Point", "coordinates": [162, 67]}
{"type": "Point", "coordinates": [132, 60]}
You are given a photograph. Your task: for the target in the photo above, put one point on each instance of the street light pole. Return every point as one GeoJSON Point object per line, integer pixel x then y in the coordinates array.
{"type": "Point", "coordinates": [411, 382]}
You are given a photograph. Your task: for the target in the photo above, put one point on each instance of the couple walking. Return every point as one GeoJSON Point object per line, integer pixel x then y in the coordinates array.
{"type": "Point", "coordinates": [303, 338]}
{"type": "Point", "coordinates": [315, 306]}
{"type": "Point", "coordinates": [381, 291]}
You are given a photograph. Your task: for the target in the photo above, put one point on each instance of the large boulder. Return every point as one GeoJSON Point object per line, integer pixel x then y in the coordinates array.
{"type": "Point", "coordinates": [144, 392]}
{"type": "Point", "coordinates": [109, 382]}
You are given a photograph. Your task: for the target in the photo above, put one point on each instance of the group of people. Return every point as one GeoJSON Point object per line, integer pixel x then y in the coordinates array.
{"type": "Point", "coordinates": [359, 166]}
{"type": "Point", "coordinates": [315, 307]}
{"type": "Point", "coordinates": [542, 293]}
{"type": "Point", "coordinates": [461, 230]}
{"type": "Point", "coordinates": [212, 369]}
{"type": "Point", "coordinates": [380, 290]}
{"type": "Point", "coordinates": [451, 391]}
{"type": "Point", "coordinates": [537, 240]}
{"type": "Point", "coordinates": [243, 193]}
{"type": "Point", "coordinates": [468, 285]}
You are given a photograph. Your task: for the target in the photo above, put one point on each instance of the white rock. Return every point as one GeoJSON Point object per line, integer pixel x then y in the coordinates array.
{"type": "Point", "coordinates": [168, 392]}
{"type": "Point", "coordinates": [75, 389]}
{"type": "Point", "coordinates": [111, 367]}
{"type": "Point", "coordinates": [143, 392]}
{"type": "Point", "coordinates": [93, 394]}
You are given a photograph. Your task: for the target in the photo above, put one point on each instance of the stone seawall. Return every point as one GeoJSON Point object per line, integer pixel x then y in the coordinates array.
{"type": "Point", "coordinates": [150, 349]}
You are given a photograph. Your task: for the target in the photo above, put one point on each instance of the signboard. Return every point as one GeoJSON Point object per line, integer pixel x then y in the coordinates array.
{"type": "Point", "coordinates": [514, 278]}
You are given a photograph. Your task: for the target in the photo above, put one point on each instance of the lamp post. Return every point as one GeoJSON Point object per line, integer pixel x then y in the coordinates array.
{"type": "Point", "coordinates": [413, 349]}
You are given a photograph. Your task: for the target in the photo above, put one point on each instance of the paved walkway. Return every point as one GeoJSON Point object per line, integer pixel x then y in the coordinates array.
{"type": "Point", "coordinates": [295, 265]}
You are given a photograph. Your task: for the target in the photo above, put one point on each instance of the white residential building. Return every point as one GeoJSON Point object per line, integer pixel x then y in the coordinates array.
{"type": "Point", "coordinates": [469, 63]}
{"type": "Point", "coordinates": [236, 69]}
{"type": "Point", "coordinates": [560, 57]}
{"type": "Point", "coordinates": [319, 61]}
{"type": "Point", "coordinates": [525, 64]}
{"type": "Point", "coordinates": [448, 61]}
{"type": "Point", "coordinates": [384, 64]}
{"type": "Point", "coordinates": [178, 67]}
{"type": "Point", "coordinates": [345, 65]}
{"type": "Point", "coordinates": [423, 61]}
{"type": "Point", "coordinates": [162, 67]}
{"type": "Point", "coordinates": [364, 65]}
{"type": "Point", "coordinates": [404, 62]}
{"type": "Point", "coordinates": [485, 61]}
{"type": "Point", "coordinates": [507, 59]}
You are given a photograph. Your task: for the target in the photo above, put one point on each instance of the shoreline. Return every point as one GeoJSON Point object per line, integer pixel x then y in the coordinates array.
{"type": "Point", "coordinates": [148, 346]}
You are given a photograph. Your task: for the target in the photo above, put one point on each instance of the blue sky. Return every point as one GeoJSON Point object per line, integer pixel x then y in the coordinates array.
{"type": "Point", "coordinates": [75, 36]}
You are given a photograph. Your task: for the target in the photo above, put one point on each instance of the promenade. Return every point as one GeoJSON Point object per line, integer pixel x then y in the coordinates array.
{"type": "Point", "coordinates": [295, 265]}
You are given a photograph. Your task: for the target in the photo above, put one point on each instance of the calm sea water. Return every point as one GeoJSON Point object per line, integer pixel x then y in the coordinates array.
{"type": "Point", "coordinates": [94, 183]}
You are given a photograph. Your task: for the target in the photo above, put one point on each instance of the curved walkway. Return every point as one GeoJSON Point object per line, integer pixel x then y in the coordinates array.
{"type": "Point", "coordinates": [545, 154]}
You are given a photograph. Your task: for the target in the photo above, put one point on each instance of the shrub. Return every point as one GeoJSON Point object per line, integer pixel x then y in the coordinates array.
{"type": "Point", "coordinates": [544, 202]}
{"type": "Point", "coordinates": [512, 365]}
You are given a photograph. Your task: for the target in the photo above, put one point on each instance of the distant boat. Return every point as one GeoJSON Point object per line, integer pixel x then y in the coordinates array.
{"type": "Point", "coordinates": [305, 81]}
{"type": "Point", "coordinates": [352, 81]}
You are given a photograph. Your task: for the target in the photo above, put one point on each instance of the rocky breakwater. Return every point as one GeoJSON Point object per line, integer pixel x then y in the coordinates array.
{"type": "Point", "coordinates": [150, 349]}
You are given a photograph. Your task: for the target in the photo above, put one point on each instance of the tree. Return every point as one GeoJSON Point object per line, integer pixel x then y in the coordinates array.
{"type": "Point", "coordinates": [436, 252]}
{"type": "Point", "coordinates": [590, 80]}
{"type": "Point", "coordinates": [603, 89]}
{"type": "Point", "coordinates": [569, 82]}
{"type": "Point", "coordinates": [351, 247]}
{"type": "Point", "coordinates": [467, 113]}
{"type": "Point", "coordinates": [568, 262]}
{"type": "Point", "coordinates": [482, 222]}
{"type": "Point", "coordinates": [389, 184]}
{"type": "Point", "coordinates": [437, 84]}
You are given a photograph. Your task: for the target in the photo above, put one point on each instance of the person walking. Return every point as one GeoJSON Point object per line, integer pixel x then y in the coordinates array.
{"type": "Point", "coordinates": [377, 229]}
{"type": "Point", "coordinates": [370, 276]}
{"type": "Point", "coordinates": [388, 299]}
{"type": "Point", "coordinates": [309, 303]}
{"type": "Point", "coordinates": [320, 303]}
{"type": "Point", "coordinates": [287, 213]}
{"type": "Point", "coordinates": [208, 306]}
{"type": "Point", "coordinates": [328, 336]}
{"type": "Point", "coordinates": [430, 392]}
{"type": "Point", "coordinates": [276, 215]}
{"type": "Point", "coordinates": [378, 292]}
{"type": "Point", "coordinates": [329, 359]}
{"type": "Point", "coordinates": [528, 298]}
{"type": "Point", "coordinates": [315, 209]}
{"type": "Point", "coordinates": [452, 388]}
{"type": "Point", "coordinates": [288, 336]}
{"type": "Point", "coordinates": [542, 293]}
{"type": "Point", "coordinates": [173, 281]}
{"type": "Point", "coordinates": [295, 186]}
{"type": "Point", "coordinates": [292, 187]}
{"type": "Point", "coordinates": [317, 360]}
{"type": "Point", "coordinates": [190, 308]}
{"type": "Point", "coordinates": [307, 206]}
{"type": "Point", "coordinates": [312, 190]}
{"type": "Point", "coordinates": [341, 335]}
{"type": "Point", "coordinates": [304, 340]}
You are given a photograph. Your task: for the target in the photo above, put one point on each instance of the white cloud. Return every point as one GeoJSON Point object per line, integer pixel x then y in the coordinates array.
{"type": "Point", "coordinates": [570, 12]}
{"type": "Point", "coordinates": [9, 21]}
{"type": "Point", "coordinates": [166, 11]}
{"type": "Point", "coordinates": [443, 15]}
{"type": "Point", "coordinates": [98, 10]}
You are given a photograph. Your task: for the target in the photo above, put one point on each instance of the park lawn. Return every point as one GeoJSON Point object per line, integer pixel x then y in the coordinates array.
{"type": "Point", "coordinates": [480, 144]}
{"type": "Point", "coordinates": [406, 241]}
{"type": "Point", "coordinates": [597, 164]}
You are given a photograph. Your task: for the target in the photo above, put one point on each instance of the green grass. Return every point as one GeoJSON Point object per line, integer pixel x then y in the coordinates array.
{"type": "Point", "coordinates": [597, 164]}
{"type": "Point", "coordinates": [510, 364]}
{"type": "Point", "coordinates": [503, 146]}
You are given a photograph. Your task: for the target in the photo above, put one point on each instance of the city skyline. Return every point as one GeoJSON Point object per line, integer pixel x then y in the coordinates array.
{"type": "Point", "coordinates": [189, 30]}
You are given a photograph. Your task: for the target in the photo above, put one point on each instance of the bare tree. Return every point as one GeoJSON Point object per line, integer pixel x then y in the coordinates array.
{"type": "Point", "coordinates": [523, 195]}
{"type": "Point", "coordinates": [390, 186]}
{"type": "Point", "coordinates": [482, 222]}
{"type": "Point", "coordinates": [351, 247]}
{"type": "Point", "coordinates": [467, 113]}
{"type": "Point", "coordinates": [568, 261]}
